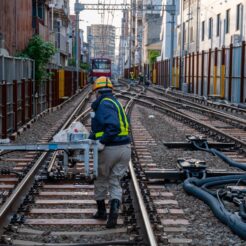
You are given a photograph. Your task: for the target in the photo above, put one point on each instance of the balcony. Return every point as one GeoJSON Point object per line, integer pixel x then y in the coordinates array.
{"type": "Point", "coordinates": [40, 28]}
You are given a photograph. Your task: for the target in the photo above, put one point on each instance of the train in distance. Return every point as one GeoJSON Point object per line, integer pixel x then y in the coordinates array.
{"type": "Point", "coordinates": [100, 67]}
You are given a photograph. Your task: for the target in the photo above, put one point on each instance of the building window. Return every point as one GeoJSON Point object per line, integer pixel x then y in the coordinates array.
{"type": "Point", "coordinates": [191, 34]}
{"type": "Point", "coordinates": [218, 25]}
{"type": "Point", "coordinates": [238, 17]}
{"type": "Point", "coordinates": [203, 30]}
{"type": "Point", "coordinates": [184, 34]}
{"type": "Point", "coordinates": [210, 28]}
{"type": "Point", "coordinates": [227, 27]}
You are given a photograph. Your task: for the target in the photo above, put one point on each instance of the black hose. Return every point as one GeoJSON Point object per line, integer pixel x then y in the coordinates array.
{"type": "Point", "coordinates": [242, 211]}
{"type": "Point", "coordinates": [219, 182]}
{"type": "Point", "coordinates": [201, 182]}
{"type": "Point", "coordinates": [6, 152]}
{"type": "Point", "coordinates": [192, 186]}
{"type": "Point", "coordinates": [228, 160]}
{"type": "Point", "coordinates": [220, 155]}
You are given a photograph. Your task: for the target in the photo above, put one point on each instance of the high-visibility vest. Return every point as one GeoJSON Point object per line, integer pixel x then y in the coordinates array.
{"type": "Point", "coordinates": [122, 119]}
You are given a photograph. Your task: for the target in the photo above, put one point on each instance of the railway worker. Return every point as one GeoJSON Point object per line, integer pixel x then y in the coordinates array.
{"type": "Point", "coordinates": [141, 78]}
{"type": "Point", "coordinates": [132, 75]}
{"type": "Point", "coordinates": [109, 126]}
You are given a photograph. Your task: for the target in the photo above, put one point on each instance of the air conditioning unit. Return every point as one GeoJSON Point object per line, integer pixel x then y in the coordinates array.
{"type": "Point", "coordinates": [236, 39]}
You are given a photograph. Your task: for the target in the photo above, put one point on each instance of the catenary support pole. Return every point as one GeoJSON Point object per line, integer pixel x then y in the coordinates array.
{"type": "Point", "coordinates": [171, 45]}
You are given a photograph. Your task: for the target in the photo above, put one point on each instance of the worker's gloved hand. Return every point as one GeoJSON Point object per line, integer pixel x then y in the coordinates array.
{"type": "Point", "coordinates": [92, 114]}
{"type": "Point", "coordinates": [100, 145]}
{"type": "Point", "coordinates": [90, 141]}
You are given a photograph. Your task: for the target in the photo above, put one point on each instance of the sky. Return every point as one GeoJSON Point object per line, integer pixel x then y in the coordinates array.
{"type": "Point", "coordinates": [89, 17]}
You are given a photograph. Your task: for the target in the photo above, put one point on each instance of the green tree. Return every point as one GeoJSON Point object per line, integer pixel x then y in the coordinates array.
{"type": "Point", "coordinates": [41, 52]}
{"type": "Point", "coordinates": [153, 54]}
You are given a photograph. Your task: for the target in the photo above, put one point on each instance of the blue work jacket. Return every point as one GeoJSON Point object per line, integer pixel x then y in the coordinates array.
{"type": "Point", "coordinates": [106, 121]}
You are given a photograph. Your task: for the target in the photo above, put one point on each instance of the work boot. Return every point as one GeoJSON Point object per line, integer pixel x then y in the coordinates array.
{"type": "Point", "coordinates": [101, 213]}
{"type": "Point", "coordinates": [113, 214]}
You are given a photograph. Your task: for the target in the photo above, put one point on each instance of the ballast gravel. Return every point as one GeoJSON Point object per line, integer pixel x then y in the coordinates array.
{"type": "Point", "coordinates": [204, 228]}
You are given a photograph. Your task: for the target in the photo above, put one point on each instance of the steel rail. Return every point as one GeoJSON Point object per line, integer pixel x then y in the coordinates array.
{"type": "Point", "coordinates": [189, 119]}
{"type": "Point", "coordinates": [12, 202]}
{"type": "Point", "coordinates": [149, 230]}
{"type": "Point", "coordinates": [193, 98]}
{"type": "Point", "coordinates": [204, 109]}
{"type": "Point", "coordinates": [147, 224]}
{"type": "Point", "coordinates": [195, 105]}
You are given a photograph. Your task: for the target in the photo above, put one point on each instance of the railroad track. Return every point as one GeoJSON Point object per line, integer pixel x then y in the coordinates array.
{"type": "Point", "coordinates": [58, 212]}
{"type": "Point", "coordinates": [194, 126]}
{"type": "Point", "coordinates": [39, 206]}
{"type": "Point", "coordinates": [18, 169]}
{"type": "Point", "coordinates": [200, 101]}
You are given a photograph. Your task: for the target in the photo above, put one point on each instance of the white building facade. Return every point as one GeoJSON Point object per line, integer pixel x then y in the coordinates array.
{"type": "Point", "coordinates": [210, 24]}
{"type": "Point", "coordinates": [222, 23]}
{"type": "Point", "coordinates": [101, 39]}
{"type": "Point", "coordinates": [165, 35]}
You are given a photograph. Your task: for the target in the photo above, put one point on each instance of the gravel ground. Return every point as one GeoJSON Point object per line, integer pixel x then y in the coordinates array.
{"type": "Point", "coordinates": [204, 228]}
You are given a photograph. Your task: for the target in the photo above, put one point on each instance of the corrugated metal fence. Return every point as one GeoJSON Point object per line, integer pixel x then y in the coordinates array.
{"type": "Point", "coordinates": [21, 98]}
{"type": "Point", "coordinates": [16, 83]}
{"type": "Point", "coordinates": [219, 72]}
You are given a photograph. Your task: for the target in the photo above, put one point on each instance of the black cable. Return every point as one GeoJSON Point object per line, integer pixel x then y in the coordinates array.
{"type": "Point", "coordinates": [6, 152]}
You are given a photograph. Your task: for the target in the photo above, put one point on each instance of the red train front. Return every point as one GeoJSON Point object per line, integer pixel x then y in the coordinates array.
{"type": "Point", "coordinates": [100, 67]}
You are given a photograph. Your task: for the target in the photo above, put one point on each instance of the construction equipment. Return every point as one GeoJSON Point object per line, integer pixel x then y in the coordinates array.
{"type": "Point", "coordinates": [77, 149]}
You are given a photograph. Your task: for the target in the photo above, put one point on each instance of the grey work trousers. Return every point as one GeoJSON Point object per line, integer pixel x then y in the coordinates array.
{"type": "Point", "coordinates": [112, 164]}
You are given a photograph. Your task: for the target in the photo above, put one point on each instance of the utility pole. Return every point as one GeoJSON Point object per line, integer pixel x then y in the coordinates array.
{"type": "Point", "coordinates": [172, 13]}
{"type": "Point", "coordinates": [130, 40]}
{"type": "Point", "coordinates": [77, 8]}
{"type": "Point", "coordinates": [181, 77]}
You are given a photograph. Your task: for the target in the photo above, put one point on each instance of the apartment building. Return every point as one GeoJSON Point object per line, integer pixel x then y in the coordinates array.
{"type": "Point", "coordinates": [47, 18]}
{"type": "Point", "coordinates": [222, 23]}
{"type": "Point", "coordinates": [59, 30]}
{"type": "Point", "coordinates": [207, 24]}
{"type": "Point", "coordinates": [166, 29]}
{"type": "Point", "coordinates": [138, 33]}
{"type": "Point", "coordinates": [124, 43]}
{"type": "Point", "coordinates": [188, 27]}
{"type": "Point", "coordinates": [152, 22]}
{"type": "Point", "coordinates": [15, 25]}
{"type": "Point", "coordinates": [101, 40]}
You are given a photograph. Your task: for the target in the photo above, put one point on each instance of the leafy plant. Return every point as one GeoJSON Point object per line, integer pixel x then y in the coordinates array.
{"type": "Point", "coordinates": [85, 66]}
{"type": "Point", "coordinates": [40, 51]}
{"type": "Point", "coordinates": [71, 62]}
{"type": "Point", "coordinates": [153, 54]}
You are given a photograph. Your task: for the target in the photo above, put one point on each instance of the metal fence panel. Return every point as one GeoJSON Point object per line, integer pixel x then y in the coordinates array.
{"type": "Point", "coordinates": [236, 74]}
{"type": "Point", "coordinates": [14, 69]}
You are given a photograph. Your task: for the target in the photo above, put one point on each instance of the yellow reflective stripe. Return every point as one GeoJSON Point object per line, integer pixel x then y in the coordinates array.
{"type": "Point", "coordinates": [125, 118]}
{"type": "Point", "coordinates": [102, 83]}
{"type": "Point", "coordinates": [99, 134]}
{"type": "Point", "coordinates": [123, 129]}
